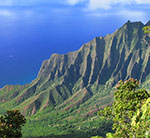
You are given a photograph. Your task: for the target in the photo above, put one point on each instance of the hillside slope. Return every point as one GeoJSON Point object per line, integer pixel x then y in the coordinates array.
{"type": "Point", "coordinates": [77, 84]}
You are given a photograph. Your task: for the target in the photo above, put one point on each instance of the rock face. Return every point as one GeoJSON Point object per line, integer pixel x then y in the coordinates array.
{"type": "Point", "coordinates": [104, 60]}
{"type": "Point", "coordinates": [123, 54]}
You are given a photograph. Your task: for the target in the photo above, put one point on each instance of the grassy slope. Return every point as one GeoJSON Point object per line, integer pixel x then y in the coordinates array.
{"type": "Point", "coordinates": [78, 121]}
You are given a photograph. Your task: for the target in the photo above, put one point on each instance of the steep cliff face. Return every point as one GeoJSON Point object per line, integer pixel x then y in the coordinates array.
{"type": "Point", "coordinates": [104, 60]}
{"type": "Point", "coordinates": [121, 55]}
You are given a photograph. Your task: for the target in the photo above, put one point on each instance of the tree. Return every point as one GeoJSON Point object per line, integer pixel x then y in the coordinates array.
{"type": "Point", "coordinates": [128, 101]}
{"type": "Point", "coordinates": [11, 123]}
{"type": "Point", "coordinates": [146, 29]}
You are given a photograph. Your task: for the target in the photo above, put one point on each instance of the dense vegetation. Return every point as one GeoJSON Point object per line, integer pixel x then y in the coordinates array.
{"type": "Point", "coordinates": [146, 29]}
{"type": "Point", "coordinates": [11, 123]}
{"type": "Point", "coordinates": [129, 112]}
{"type": "Point", "coordinates": [129, 115]}
{"type": "Point", "coordinates": [66, 124]}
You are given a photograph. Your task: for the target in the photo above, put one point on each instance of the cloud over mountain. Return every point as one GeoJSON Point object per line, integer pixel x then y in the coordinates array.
{"type": "Point", "coordinates": [107, 4]}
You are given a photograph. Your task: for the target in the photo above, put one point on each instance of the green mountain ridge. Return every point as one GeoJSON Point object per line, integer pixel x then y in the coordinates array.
{"type": "Point", "coordinates": [72, 87]}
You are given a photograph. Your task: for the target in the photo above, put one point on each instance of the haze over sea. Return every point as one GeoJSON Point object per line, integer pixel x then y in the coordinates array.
{"type": "Point", "coordinates": [30, 31]}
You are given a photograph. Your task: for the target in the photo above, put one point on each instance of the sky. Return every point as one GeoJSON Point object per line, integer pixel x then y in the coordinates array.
{"type": "Point", "coordinates": [32, 30]}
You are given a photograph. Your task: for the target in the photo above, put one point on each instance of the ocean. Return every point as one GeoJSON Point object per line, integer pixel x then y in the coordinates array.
{"type": "Point", "coordinates": [30, 34]}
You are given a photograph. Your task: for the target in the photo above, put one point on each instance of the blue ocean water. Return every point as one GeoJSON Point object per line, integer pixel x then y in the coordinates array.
{"type": "Point", "coordinates": [30, 34]}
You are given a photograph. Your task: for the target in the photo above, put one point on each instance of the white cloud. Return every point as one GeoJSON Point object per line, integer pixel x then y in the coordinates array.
{"type": "Point", "coordinates": [123, 14]}
{"type": "Point", "coordinates": [6, 13]}
{"type": "Point", "coordinates": [108, 4]}
{"type": "Point", "coordinates": [98, 4]}
{"type": "Point", "coordinates": [142, 1]}
{"type": "Point", "coordinates": [26, 2]}
{"type": "Point", "coordinates": [73, 2]}
{"type": "Point", "coordinates": [6, 2]}
{"type": "Point", "coordinates": [133, 15]}
{"type": "Point", "coordinates": [11, 14]}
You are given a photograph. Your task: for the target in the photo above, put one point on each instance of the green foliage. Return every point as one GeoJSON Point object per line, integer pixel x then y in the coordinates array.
{"type": "Point", "coordinates": [96, 137]}
{"type": "Point", "coordinates": [146, 29]}
{"type": "Point", "coordinates": [110, 135]}
{"type": "Point", "coordinates": [10, 124]}
{"type": "Point", "coordinates": [65, 123]}
{"type": "Point", "coordinates": [128, 100]}
{"type": "Point", "coordinates": [141, 121]}
{"type": "Point", "coordinates": [57, 122]}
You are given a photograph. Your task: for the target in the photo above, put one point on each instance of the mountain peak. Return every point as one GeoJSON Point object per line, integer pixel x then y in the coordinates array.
{"type": "Point", "coordinates": [133, 23]}
{"type": "Point", "coordinates": [128, 22]}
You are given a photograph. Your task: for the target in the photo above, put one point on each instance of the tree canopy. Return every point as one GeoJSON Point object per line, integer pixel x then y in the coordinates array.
{"type": "Point", "coordinates": [146, 29]}
{"type": "Point", "coordinates": [129, 112]}
{"type": "Point", "coordinates": [11, 123]}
